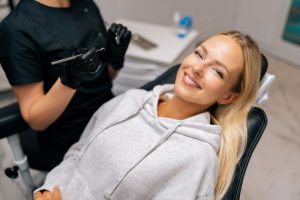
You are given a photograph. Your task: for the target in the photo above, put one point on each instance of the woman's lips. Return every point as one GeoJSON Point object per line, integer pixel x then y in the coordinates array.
{"type": "Point", "coordinates": [190, 82]}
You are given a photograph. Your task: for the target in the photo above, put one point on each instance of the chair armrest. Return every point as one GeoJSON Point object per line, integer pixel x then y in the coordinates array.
{"type": "Point", "coordinates": [11, 121]}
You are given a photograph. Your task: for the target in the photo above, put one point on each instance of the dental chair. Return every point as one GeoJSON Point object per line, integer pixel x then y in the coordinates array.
{"type": "Point", "coordinates": [12, 125]}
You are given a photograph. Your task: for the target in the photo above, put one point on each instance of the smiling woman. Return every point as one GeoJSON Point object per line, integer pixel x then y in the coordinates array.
{"type": "Point", "coordinates": [178, 141]}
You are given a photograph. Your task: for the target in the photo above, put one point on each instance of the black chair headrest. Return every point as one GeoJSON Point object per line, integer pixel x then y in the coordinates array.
{"type": "Point", "coordinates": [263, 65]}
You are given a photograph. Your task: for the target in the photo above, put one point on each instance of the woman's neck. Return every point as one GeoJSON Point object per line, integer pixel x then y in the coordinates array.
{"type": "Point", "coordinates": [55, 3]}
{"type": "Point", "coordinates": [176, 108]}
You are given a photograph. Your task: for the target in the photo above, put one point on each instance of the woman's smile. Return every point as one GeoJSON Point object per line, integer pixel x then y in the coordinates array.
{"type": "Point", "coordinates": [189, 81]}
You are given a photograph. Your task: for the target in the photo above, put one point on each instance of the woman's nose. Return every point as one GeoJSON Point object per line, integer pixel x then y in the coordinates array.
{"type": "Point", "coordinates": [198, 70]}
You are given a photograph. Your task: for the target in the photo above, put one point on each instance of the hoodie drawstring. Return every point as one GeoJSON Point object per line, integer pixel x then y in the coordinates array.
{"type": "Point", "coordinates": [168, 133]}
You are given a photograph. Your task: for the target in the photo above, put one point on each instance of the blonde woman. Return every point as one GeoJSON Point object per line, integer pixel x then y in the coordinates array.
{"type": "Point", "coordinates": [178, 141]}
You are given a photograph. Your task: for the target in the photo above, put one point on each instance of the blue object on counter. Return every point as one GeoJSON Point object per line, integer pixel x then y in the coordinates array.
{"type": "Point", "coordinates": [185, 25]}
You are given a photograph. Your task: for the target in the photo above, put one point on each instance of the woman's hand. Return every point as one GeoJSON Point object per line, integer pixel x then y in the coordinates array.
{"type": "Point", "coordinates": [46, 195]}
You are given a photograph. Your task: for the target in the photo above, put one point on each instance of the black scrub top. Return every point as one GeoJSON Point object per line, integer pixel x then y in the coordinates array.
{"type": "Point", "coordinates": [31, 37]}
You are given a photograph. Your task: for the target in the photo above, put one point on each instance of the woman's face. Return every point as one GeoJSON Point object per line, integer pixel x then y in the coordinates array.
{"type": "Point", "coordinates": [208, 74]}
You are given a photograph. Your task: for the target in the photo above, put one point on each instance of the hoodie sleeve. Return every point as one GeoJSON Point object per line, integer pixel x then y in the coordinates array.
{"type": "Point", "coordinates": [60, 174]}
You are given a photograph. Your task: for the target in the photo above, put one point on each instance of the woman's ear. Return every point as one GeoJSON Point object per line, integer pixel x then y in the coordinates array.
{"type": "Point", "coordinates": [229, 98]}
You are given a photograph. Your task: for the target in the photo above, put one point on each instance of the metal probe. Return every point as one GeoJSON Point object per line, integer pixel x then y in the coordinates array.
{"type": "Point", "coordinates": [72, 57]}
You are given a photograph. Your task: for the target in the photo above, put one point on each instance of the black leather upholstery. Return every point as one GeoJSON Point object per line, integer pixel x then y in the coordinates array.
{"type": "Point", "coordinates": [264, 65]}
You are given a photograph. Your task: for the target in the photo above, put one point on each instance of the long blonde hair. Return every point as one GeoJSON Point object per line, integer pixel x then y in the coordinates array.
{"type": "Point", "coordinates": [233, 117]}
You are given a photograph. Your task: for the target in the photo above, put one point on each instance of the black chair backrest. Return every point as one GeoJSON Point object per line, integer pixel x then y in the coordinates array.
{"type": "Point", "coordinates": [257, 121]}
{"type": "Point", "coordinates": [264, 66]}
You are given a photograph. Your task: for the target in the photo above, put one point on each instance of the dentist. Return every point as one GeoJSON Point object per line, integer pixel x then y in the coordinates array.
{"type": "Point", "coordinates": [57, 101]}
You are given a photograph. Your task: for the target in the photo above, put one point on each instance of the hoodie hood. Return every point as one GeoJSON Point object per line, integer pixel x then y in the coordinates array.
{"type": "Point", "coordinates": [197, 127]}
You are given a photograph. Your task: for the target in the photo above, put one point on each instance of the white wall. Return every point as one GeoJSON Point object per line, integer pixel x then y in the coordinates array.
{"type": "Point", "coordinates": [259, 18]}
{"type": "Point", "coordinates": [210, 16]}
{"type": "Point", "coordinates": [265, 20]}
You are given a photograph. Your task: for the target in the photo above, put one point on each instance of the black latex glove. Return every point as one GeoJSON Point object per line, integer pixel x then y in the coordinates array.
{"type": "Point", "coordinates": [117, 43]}
{"type": "Point", "coordinates": [86, 67]}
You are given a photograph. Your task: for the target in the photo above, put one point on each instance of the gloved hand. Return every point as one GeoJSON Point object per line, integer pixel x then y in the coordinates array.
{"type": "Point", "coordinates": [86, 67]}
{"type": "Point", "coordinates": [117, 43]}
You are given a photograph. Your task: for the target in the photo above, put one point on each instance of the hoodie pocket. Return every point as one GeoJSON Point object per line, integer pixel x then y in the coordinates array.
{"type": "Point", "coordinates": [77, 189]}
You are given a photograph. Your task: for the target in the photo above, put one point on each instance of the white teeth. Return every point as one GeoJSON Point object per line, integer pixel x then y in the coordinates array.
{"type": "Point", "coordinates": [189, 81]}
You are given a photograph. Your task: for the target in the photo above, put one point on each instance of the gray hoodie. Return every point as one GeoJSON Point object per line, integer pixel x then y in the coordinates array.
{"type": "Point", "coordinates": [127, 152]}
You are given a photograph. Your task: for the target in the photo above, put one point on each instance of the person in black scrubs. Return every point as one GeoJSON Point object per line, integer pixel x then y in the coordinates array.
{"type": "Point", "coordinates": [57, 101]}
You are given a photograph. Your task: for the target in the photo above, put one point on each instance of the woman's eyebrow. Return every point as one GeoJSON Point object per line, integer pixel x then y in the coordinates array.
{"type": "Point", "coordinates": [204, 49]}
{"type": "Point", "coordinates": [222, 65]}
{"type": "Point", "coordinates": [217, 62]}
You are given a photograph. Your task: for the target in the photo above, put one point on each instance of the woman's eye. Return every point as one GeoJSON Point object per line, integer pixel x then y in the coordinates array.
{"type": "Point", "coordinates": [199, 54]}
{"type": "Point", "coordinates": [219, 73]}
